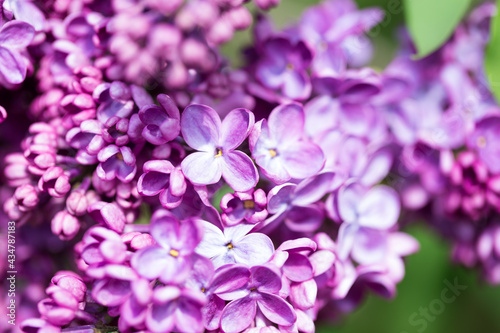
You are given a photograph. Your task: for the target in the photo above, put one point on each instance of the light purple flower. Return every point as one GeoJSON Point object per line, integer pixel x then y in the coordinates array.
{"type": "Point", "coordinates": [280, 148]}
{"type": "Point", "coordinates": [175, 309]}
{"type": "Point", "coordinates": [367, 215]}
{"type": "Point", "coordinates": [235, 245]}
{"type": "Point", "coordinates": [261, 292]}
{"type": "Point", "coordinates": [249, 206]}
{"type": "Point", "coordinates": [484, 140]}
{"type": "Point", "coordinates": [284, 67]}
{"type": "Point", "coordinates": [297, 205]}
{"type": "Point", "coordinates": [162, 122]}
{"type": "Point", "coordinates": [215, 142]}
{"type": "Point", "coordinates": [14, 36]}
{"type": "Point", "coordinates": [26, 11]}
{"type": "Point", "coordinates": [116, 162]}
{"type": "Point", "coordinates": [171, 259]}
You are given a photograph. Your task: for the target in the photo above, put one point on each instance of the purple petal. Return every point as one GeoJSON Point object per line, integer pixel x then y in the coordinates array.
{"type": "Point", "coordinates": [150, 262]}
{"type": "Point", "coordinates": [170, 129]}
{"type": "Point", "coordinates": [303, 295]}
{"type": "Point", "coordinates": [313, 189]}
{"type": "Point", "coordinates": [266, 278]}
{"type": "Point", "coordinates": [169, 106]}
{"type": "Point", "coordinates": [188, 316]}
{"type": "Point", "coordinates": [230, 278]}
{"type": "Point", "coordinates": [160, 318]}
{"type": "Point", "coordinates": [28, 12]}
{"type": "Point", "coordinates": [12, 66]}
{"type": "Point", "coordinates": [201, 127]}
{"type": "Point", "coordinates": [379, 208]}
{"type": "Point", "coordinates": [253, 249]}
{"type": "Point", "coordinates": [370, 246]}
{"type": "Point", "coordinates": [286, 123]}
{"type": "Point", "coordinates": [16, 34]}
{"type": "Point", "coordinates": [239, 171]}
{"type": "Point", "coordinates": [298, 268]}
{"type": "Point", "coordinates": [152, 183]}
{"type": "Point", "coordinates": [235, 128]}
{"type": "Point", "coordinates": [305, 219]}
{"type": "Point", "coordinates": [212, 312]}
{"type": "Point", "coordinates": [238, 315]}
{"type": "Point", "coordinates": [303, 159]}
{"type": "Point", "coordinates": [276, 309]}
{"type": "Point", "coordinates": [213, 242]}
{"type": "Point", "coordinates": [202, 168]}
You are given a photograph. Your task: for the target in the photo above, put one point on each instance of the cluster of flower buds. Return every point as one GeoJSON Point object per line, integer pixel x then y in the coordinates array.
{"type": "Point", "coordinates": [198, 197]}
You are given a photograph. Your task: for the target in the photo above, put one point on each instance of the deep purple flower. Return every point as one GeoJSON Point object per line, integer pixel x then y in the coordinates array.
{"type": "Point", "coordinates": [162, 122]}
{"type": "Point", "coordinates": [263, 285]}
{"type": "Point", "coordinates": [115, 100]}
{"type": "Point", "coordinates": [215, 142]}
{"type": "Point", "coordinates": [249, 206]}
{"type": "Point", "coordinates": [161, 177]}
{"type": "Point", "coordinates": [284, 67]}
{"type": "Point", "coordinates": [14, 36]}
{"type": "Point", "coordinates": [171, 259]}
{"type": "Point", "coordinates": [280, 148]}
{"type": "Point", "coordinates": [235, 245]}
{"type": "Point", "coordinates": [116, 162]}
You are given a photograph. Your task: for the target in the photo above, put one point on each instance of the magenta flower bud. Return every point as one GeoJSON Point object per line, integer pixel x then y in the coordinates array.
{"type": "Point", "coordinates": [16, 169]}
{"type": "Point", "coordinates": [239, 17]}
{"type": "Point", "coordinates": [55, 181]}
{"type": "Point", "coordinates": [71, 282]}
{"type": "Point", "coordinates": [77, 102]}
{"type": "Point", "coordinates": [137, 240]}
{"type": "Point", "coordinates": [266, 4]}
{"type": "Point", "coordinates": [41, 157]}
{"type": "Point", "coordinates": [108, 214]}
{"type": "Point", "coordinates": [65, 225]}
{"type": "Point", "coordinates": [77, 203]}
{"type": "Point", "coordinates": [26, 197]}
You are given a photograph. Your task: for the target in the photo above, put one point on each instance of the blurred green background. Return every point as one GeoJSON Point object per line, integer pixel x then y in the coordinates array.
{"type": "Point", "coordinates": [477, 308]}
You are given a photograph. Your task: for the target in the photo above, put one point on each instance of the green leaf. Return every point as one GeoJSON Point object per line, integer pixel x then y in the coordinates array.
{"type": "Point", "coordinates": [431, 22]}
{"type": "Point", "coordinates": [492, 57]}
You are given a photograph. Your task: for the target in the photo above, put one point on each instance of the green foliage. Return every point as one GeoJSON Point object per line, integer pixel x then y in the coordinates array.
{"type": "Point", "coordinates": [492, 59]}
{"type": "Point", "coordinates": [431, 22]}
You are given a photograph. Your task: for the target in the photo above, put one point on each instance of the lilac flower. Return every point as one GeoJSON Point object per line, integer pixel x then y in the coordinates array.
{"type": "Point", "coordinates": [115, 100]}
{"type": "Point", "coordinates": [14, 36]}
{"type": "Point", "coordinates": [284, 66]}
{"type": "Point", "coordinates": [170, 260]}
{"type": "Point", "coordinates": [279, 146]}
{"type": "Point", "coordinates": [161, 177]}
{"type": "Point", "coordinates": [249, 206]}
{"type": "Point", "coordinates": [330, 28]}
{"type": "Point", "coordinates": [235, 245]}
{"type": "Point", "coordinates": [225, 280]}
{"type": "Point", "coordinates": [483, 141]}
{"type": "Point", "coordinates": [162, 122]}
{"type": "Point", "coordinates": [116, 162]}
{"type": "Point", "coordinates": [175, 309]}
{"type": "Point", "coordinates": [260, 292]}
{"type": "Point", "coordinates": [112, 286]}
{"type": "Point", "coordinates": [297, 205]}
{"type": "Point", "coordinates": [367, 215]}
{"type": "Point", "coordinates": [215, 143]}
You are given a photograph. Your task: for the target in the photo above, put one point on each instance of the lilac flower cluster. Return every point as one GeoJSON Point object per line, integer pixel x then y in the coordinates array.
{"type": "Point", "coordinates": [198, 197]}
